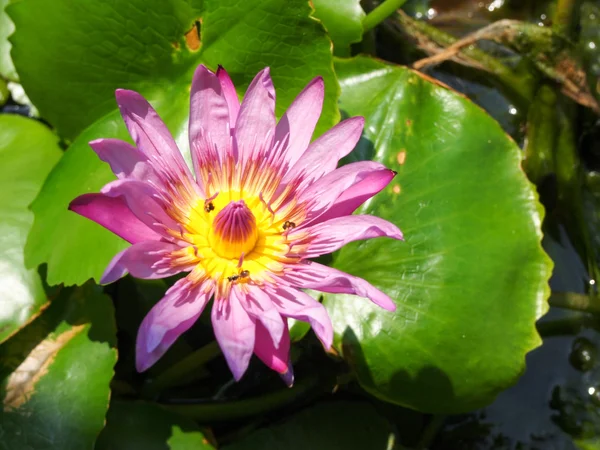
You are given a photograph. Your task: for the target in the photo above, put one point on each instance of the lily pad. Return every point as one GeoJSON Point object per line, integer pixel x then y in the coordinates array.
{"type": "Point", "coordinates": [343, 21]}
{"type": "Point", "coordinates": [91, 49]}
{"type": "Point", "coordinates": [73, 78]}
{"type": "Point", "coordinates": [28, 151]}
{"type": "Point", "coordinates": [470, 279]}
{"type": "Point", "coordinates": [57, 372]}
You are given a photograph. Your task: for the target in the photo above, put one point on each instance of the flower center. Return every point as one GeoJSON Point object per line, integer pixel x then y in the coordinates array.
{"type": "Point", "coordinates": [233, 231]}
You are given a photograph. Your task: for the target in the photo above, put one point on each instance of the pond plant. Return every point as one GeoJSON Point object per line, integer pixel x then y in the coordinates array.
{"type": "Point", "coordinates": [196, 195]}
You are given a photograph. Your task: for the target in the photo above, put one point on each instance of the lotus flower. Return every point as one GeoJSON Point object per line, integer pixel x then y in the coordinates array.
{"type": "Point", "coordinates": [264, 201]}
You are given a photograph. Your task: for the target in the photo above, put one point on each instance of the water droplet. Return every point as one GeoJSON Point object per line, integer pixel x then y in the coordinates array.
{"type": "Point", "coordinates": [592, 45]}
{"type": "Point", "coordinates": [495, 5]}
{"type": "Point", "coordinates": [583, 354]}
{"type": "Point", "coordinates": [512, 110]}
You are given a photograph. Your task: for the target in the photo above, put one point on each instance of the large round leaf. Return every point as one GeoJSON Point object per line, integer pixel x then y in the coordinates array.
{"type": "Point", "coordinates": [73, 77]}
{"type": "Point", "coordinates": [28, 150]}
{"type": "Point", "coordinates": [58, 369]}
{"type": "Point", "coordinates": [470, 279]}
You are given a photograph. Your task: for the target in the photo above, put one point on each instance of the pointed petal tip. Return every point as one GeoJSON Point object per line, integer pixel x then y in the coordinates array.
{"type": "Point", "coordinates": [317, 83]}
{"type": "Point", "coordinates": [387, 305]}
{"type": "Point", "coordinates": [95, 142]}
{"type": "Point", "coordinates": [121, 93]}
{"type": "Point", "coordinates": [75, 204]}
{"type": "Point", "coordinates": [397, 235]}
{"type": "Point", "coordinates": [105, 279]}
{"type": "Point", "coordinates": [202, 70]}
{"type": "Point", "coordinates": [129, 99]}
{"type": "Point", "coordinates": [80, 202]}
{"type": "Point", "coordinates": [327, 341]}
{"type": "Point", "coordinates": [237, 374]}
{"type": "Point", "coordinates": [383, 301]}
{"type": "Point", "coordinates": [141, 364]}
{"type": "Point", "coordinates": [288, 377]}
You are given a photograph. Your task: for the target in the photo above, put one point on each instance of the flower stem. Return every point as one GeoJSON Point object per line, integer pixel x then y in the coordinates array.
{"type": "Point", "coordinates": [563, 16]}
{"type": "Point", "coordinates": [304, 390]}
{"type": "Point", "coordinates": [379, 14]}
{"type": "Point", "coordinates": [173, 375]}
{"type": "Point", "coordinates": [574, 301]}
{"type": "Point", "coordinates": [431, 430]}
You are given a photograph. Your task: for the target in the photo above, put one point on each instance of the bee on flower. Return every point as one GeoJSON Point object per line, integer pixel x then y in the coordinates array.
{"type": "Point", "coordinates": [261, 202]}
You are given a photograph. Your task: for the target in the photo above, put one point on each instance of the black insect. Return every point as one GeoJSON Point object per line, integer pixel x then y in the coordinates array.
{"type": "Point", "coordinates": [242, 274]}
{"type": "Point", "coordinates": [208, 207]}
{"type": "Point", "coordinates": [289, 225]}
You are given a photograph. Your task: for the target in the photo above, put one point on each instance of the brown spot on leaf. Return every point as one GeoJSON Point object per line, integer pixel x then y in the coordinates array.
{"type": "Point", "coordinates": [192, 37]}
{"type": "Point", "coordinates": [401, 156]}
{"type": "Point", "coordinates": [21, 383]}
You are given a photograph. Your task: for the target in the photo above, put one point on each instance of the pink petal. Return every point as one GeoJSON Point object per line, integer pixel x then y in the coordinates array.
{"type": "Point", "coordinates": [300, 119]}
{"type": "Point", "coordinates": [148, 260]}
{"type": "Point", "coordinates": [235, 331]}
{"type": "Point", "coordinates": [331, 235]}
{"type": "Point", "coordinates": [256, 121]}
{"type": "Point", "coordinates": [296, 304]}
{"type": "Point", "coordinates": [209, 116]}
{"type": "Point", "coordinates": [125, 160]}
{"type": "Point", "coordinates": [140, 198]}
{"type": "Point", "coordinates": [114, 215]}
{"type": "Point", "coordinates": [322, 194]}
{"type": "Point", "coordinates": [167, 320]}
{"type": "Point", "coordinates": [311, 275]}
{"type": "Point", "coordinates": [324, 153]}
{"type": "Point", "coordinates": [357, 194]}
{"type": "Point", "coordinates": [276, 357]}
{"type": "Point", "coordinates": [150, 134]}
{"type": "Point", "coordinates": [230, 95]}
{"type": "Point", "coordinates": [259, 305]}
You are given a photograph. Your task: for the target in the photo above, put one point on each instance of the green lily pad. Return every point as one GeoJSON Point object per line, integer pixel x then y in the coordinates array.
{"type": "Point", "coordinates": [28, 151]}
{"type": "Point", "coordinates": [132, 425]}
{"type": "Point", "coordinates": [332, 426]}
{"type": "Point", "coordinates": [343, 21]}
{"type": "Point", "coordinates": [470, 279]}
{"type": "Point", "coordinates": [193, 440]}
{"type": "Point", "coordinates": [56, 374]}
{"type": "Point", "coordinates": [94, 48]}
{"type": "Point", "coordinates": [63, 81]}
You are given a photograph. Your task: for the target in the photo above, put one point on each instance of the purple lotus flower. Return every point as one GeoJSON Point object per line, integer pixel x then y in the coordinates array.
{"type": "Point", "coordinates": [264, 200]}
